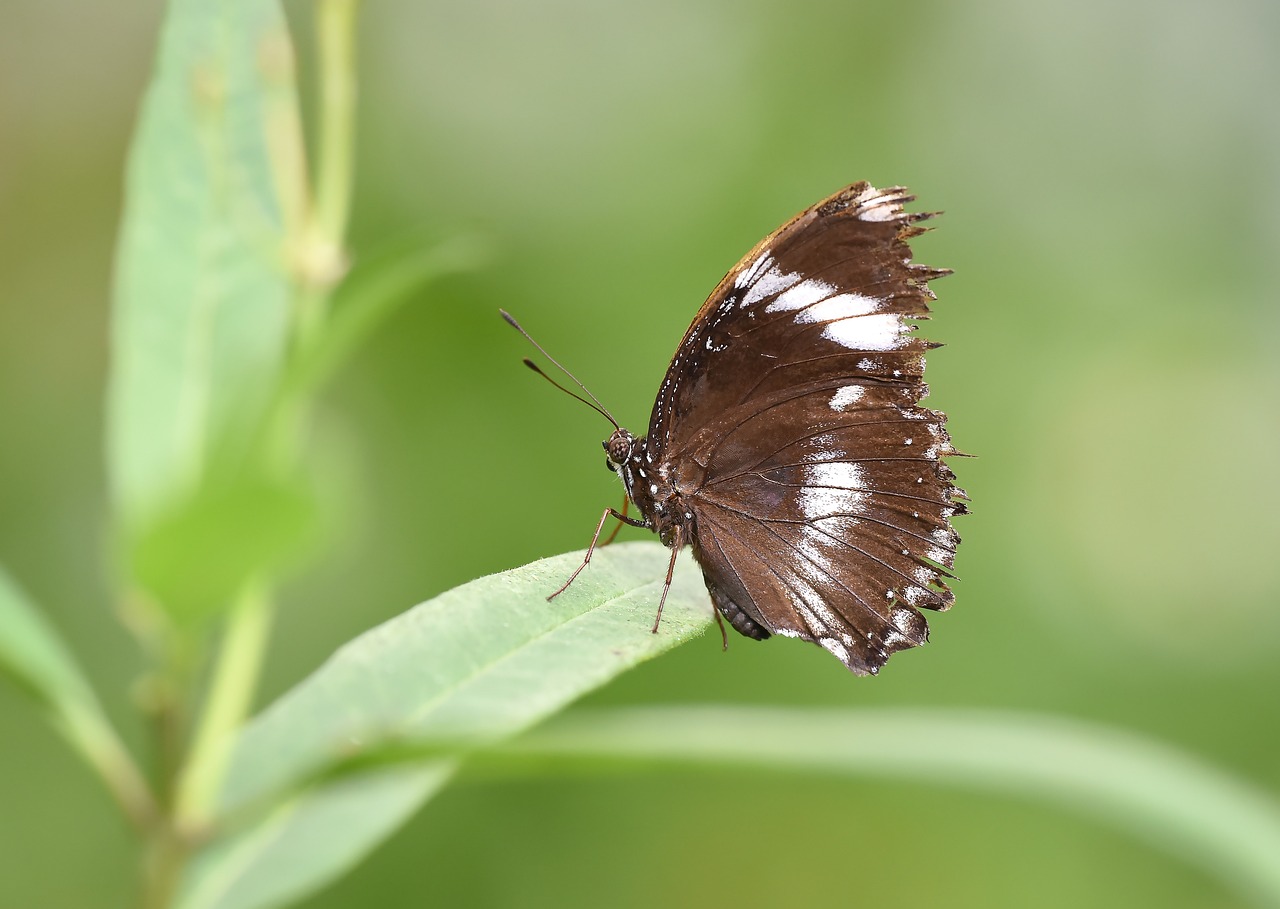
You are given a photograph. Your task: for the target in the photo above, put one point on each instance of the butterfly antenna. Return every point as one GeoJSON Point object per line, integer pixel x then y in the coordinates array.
{"type": "Point", "coordinates": [594, 403]}
{"type": "Point", "coordinates": [600, 410]}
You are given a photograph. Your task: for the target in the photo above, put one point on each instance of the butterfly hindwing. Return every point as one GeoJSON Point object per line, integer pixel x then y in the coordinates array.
{"type": "Point", "coordinates": [834, 529]}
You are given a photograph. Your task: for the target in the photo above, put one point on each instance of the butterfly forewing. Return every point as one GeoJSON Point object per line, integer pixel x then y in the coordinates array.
{"type": "Point", "coordinates": [822, 297]}
{"type": "Point", "coordinates": [790, 425]}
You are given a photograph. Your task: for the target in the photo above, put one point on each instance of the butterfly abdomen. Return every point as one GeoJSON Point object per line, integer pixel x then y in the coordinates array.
{"type": "Point", "coordinates": [741, 622]}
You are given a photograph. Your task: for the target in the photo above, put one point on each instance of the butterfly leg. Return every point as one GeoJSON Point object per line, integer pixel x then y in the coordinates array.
{"type": "Point", "coordinates": [724, 635]}
{"type": "Point", "coordinates": [626, 500]}
{"type": "Point", "coordinates": [677, 543]}
{"type": "Point", "coordinates": [592, 548]}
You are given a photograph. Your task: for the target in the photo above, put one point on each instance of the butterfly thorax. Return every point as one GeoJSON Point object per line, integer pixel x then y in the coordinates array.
{"type": "Point", "coordinates": [646, 485]}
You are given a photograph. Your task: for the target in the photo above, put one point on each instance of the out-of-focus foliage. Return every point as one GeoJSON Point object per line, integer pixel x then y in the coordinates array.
{"type": "Point", "coordinates": [202, 296]}
{"type": "Point", "coordinates": [1110, 182]}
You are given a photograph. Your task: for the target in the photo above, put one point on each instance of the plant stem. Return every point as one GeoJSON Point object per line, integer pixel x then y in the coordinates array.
{"type": "Point", "coordinates": [92, 735]}
{"type": "Point", "coordinates": [286, 142]}
{"type": "Point", "coordinates": [166, 855]}
{"type": "Point", "coordinates": [322, 259]}
{"type": "Point", "coordinates": [164, 701]}
{"type": "Point", "coordinates": [317, 221]}
{"type": "Point", "coordinates": [335, 152]}
{"type": "Point", "coordinates": [235, 678]}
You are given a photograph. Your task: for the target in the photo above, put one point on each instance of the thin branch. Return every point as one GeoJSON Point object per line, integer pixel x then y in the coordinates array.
{"type": "Point", "coordinates": [235, 678]}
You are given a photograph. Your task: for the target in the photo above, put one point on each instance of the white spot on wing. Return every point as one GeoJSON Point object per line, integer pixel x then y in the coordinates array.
{"type": "Point", "coordinates": [768, 284]}
{"type": "Point", "coordinates": [803, 294]}
{"type": "Point", "coordinates": [874, 332]}
{"type": "Point", "coordinates": [915, 595]}
{"type": "Point", "coordinates": [749, 274]}
{"type": "Point", "coordinates": [837, 473]}
{"type": "Point", "coordinates": [844, 397]}
{"type": "Point", "coordinates": [841, 306]}
{"type": "Point", "coordinates": [903, 620]}
{"type": "Point", "coordinates": [837, 487]}
{"type": "Point", "coordinates": [880, 204]}
{"type": "Point", "coordinates": [836, 648]}
{"type": "Point", "coordinates": [945, 540]}
{"type": "Point", "coordinates": [879, 213]}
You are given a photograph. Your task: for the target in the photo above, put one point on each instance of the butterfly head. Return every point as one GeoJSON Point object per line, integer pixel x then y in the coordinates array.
{"type": "Point", "coordinates": [618, 447]}
{"type": "Point", "coordinates": [628, 457]}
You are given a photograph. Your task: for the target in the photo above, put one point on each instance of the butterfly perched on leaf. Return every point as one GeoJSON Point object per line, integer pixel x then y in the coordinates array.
{"type": "Point", "coordinates": [788, 445]}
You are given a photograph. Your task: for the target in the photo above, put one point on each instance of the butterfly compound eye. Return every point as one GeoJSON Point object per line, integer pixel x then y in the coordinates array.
{"type": "Point", "coordinates": [619, 446]}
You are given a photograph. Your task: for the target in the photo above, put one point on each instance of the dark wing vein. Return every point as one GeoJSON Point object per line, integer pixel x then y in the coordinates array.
{"type": "Point", "coordinates": [797, 594]}
{"type": "Point", "coordinates": [870, 492]}
{"type": "Point", "coordinates": [946, 547]}
{"type": "Point", "coordinates": [840, 514]}
{"type": "Point", "coordinates": [839, 581]}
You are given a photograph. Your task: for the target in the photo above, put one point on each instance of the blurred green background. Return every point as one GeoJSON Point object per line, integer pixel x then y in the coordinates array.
{"type": "Point", "coordinates": [1111, 178]}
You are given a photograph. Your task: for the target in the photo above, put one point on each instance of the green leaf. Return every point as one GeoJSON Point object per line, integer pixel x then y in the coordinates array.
{"type": "Point", "coordinates": [468, 668]}
{"type": "Point", "coordinates": [194, 557]}
{"type": "Point", "coordinates": [308, 840]}
{"type": "Point", "coordinates": [1164, 796]}
{"type": "Point", "coordinates": [202, 294]}
{"type": "Point", "coordinates": [32, 654]}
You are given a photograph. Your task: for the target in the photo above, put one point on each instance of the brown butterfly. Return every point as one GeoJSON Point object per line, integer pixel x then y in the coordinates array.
{"type": "Point", "coordinates": [787, 444]}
